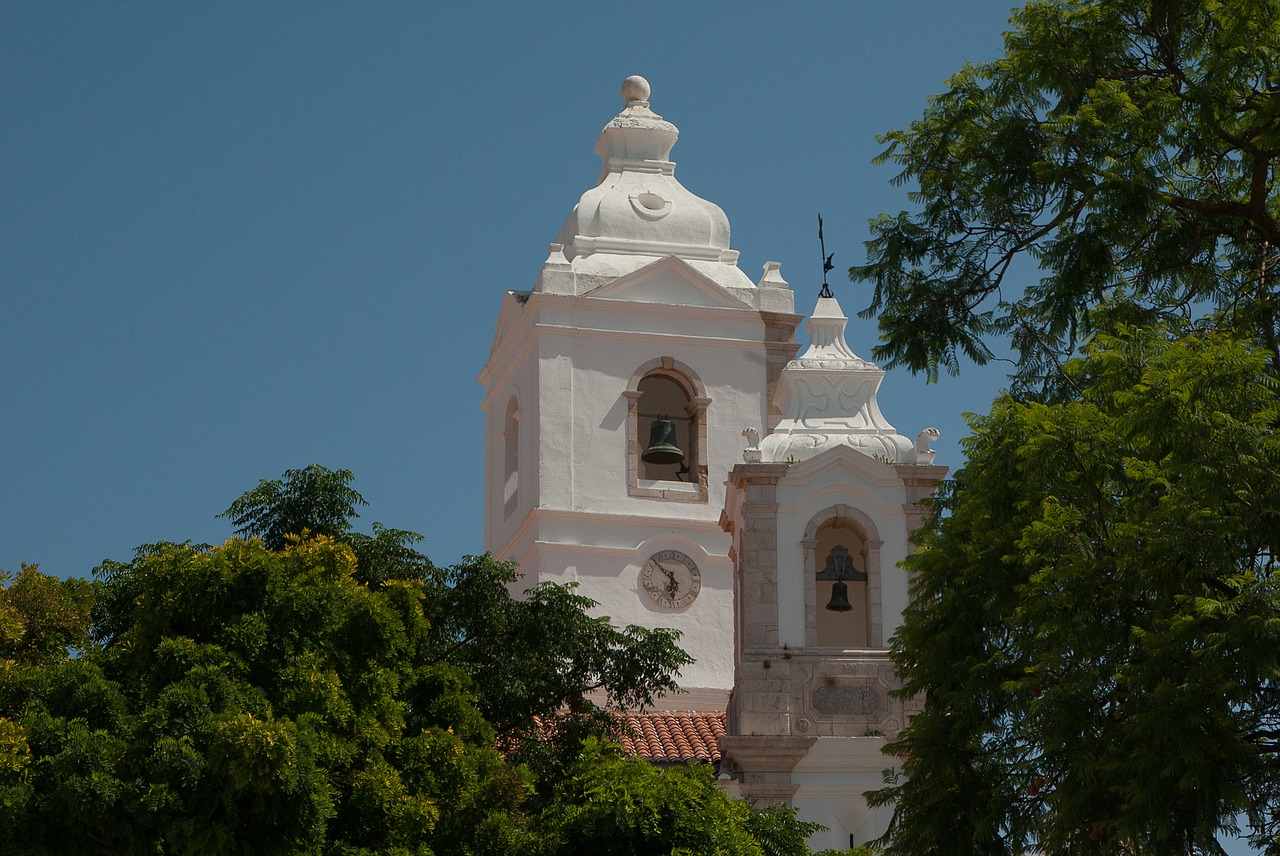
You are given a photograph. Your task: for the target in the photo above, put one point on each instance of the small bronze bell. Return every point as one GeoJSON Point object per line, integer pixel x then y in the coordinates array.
{"type": "Point", "coordinates": [662, 443]}
{"type": "Point", "coordinates": [839, 597]}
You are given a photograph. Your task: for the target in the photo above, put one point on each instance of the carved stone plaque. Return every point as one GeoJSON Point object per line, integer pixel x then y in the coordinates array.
{"type": "Point", "coordinates": [856, 700]}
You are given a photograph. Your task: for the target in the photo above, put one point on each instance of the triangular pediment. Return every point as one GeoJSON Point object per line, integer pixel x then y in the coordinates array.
{"type": "Point", "coordinates": [670, 281]}
{"type": "Point", "coordinates": [855, 466]}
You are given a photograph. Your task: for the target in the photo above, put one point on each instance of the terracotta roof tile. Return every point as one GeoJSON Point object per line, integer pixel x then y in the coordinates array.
{"type": "Point", "coordinates": [673, 737]}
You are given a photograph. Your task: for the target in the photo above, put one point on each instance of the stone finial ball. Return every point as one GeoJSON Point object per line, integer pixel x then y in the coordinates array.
{"type": "Point", "coordinates": [635, 88]}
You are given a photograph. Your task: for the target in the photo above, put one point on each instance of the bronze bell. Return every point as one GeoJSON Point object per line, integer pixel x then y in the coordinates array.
{"type": "Point", "coordinates": [662, 443]}
{"type": "Point", "coordinates": [839, 597]}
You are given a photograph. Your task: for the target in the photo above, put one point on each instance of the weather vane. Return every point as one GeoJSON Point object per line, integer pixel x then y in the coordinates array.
{"type": "Point", "coordinates": [826, 261]}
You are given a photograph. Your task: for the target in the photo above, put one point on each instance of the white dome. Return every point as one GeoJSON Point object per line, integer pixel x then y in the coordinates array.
{"type": "Point", "coordinates": [828, 394]}
{"type": "Point", "coordinates": [638, 211]}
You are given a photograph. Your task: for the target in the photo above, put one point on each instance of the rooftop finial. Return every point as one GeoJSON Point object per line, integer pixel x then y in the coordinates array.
{"type": "Point", "coordinates": [826, 261]}
{"type": "Point", "coordinates": [635, 88]}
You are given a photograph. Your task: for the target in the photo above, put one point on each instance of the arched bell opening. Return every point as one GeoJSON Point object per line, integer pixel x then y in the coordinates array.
{"type": "Point", "coordinates": [841, 586]}
{"type": "Point", "coordinates": [664, 429]}
{"type": "Point", "coordinates": [669, 463]}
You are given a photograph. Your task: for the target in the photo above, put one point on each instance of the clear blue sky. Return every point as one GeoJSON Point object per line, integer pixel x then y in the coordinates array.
{"type": "Point", "coordinates": [237, 238]}
{"type": "Point", "coordinates": [241, 238]}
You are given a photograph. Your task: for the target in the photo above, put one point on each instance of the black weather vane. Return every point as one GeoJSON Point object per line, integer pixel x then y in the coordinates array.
{"type": "Point", "coordinates": [826, 262]}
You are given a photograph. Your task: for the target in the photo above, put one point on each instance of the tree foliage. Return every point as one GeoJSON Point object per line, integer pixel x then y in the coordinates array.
{"type": "Point", "coordinates": [42, 618]}
{"type": "Point", "coordinates": [1096, 627]}
{"type": "Point", "coordinates": [256, 701]}
{"type": "Point", "coordinates": [1127, 149]}
{"type": "Point", "coordinates": [313, 499]}
{"type": "Point", "coordinates": [336, 694]}
{"type": "Point", "coordinates": [533, 660]}
{"type": "Point", "coordinates": [612, 804]}
{"type": "Point", "coordinates": [536, 659]}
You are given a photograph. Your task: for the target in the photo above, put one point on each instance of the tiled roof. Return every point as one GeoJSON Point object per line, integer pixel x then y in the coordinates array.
{"type": "Point", "coordinates": [673, 737]}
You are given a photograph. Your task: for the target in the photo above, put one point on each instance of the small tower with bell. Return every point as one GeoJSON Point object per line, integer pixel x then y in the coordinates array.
{"type": "Point", "coordinates": [820, 511]}
{"type": "Point", "coordinates": [615, 394]}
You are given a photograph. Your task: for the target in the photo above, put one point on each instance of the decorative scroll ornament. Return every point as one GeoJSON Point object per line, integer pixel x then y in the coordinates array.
{"type": "Point", "coordinates": [828, 395]}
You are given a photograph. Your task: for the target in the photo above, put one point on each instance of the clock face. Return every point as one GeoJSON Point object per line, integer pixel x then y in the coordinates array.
{"type": "Point", "coordinates": [671, 579]}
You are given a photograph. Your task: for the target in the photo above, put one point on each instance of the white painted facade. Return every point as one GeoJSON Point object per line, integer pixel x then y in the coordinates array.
{"type": "Point", "coordinates": [638, 311]}
{"type": "Point", "coordinates": [811, 708]}
{"type": "Point", "coordinates": [641, 283]}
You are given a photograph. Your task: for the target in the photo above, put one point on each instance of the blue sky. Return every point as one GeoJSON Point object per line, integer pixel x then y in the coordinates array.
{"type": "Point", "coordinates": [241, 237]}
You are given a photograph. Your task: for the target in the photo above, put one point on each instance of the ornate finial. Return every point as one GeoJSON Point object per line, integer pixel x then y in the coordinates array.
{"type": "Point", "coordinates": [635, 88]}
{"type": "Point", "coordinates": [751, 454]}
{"type": "Point", "coordinates": [826, 261]}
{"type": "Point", "coordinates": [925, 455]}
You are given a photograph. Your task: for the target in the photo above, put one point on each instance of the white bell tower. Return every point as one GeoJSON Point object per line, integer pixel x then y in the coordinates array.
{"type": "Point", "coordinates": [639, 313]}
{"type": "Point", "coordinates": [821, 512]}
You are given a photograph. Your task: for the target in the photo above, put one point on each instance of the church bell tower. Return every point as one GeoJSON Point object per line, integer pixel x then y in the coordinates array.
{"type": "Point", "coordinates": [616, 392]}
{"type": "Point", "coordinates": [821, 511]}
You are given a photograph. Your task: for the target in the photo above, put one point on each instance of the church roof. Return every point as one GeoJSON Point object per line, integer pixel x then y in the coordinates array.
{"type": "Point", "coordinates": [638, 212]}
{"type": "Point", "coordinates": [667, 737]}
{"type": "Point", "coordinates": [828, 394]}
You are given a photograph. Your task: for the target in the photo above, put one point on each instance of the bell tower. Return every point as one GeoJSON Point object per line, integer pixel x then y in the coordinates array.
{"type": "Point", "coordinates": [616, 391]}
{"type": "Point", "coordinates": [821, 512]}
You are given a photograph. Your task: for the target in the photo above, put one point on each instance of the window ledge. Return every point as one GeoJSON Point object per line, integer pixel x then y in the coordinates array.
{"type": "Point", "coordinates": [671, 490]}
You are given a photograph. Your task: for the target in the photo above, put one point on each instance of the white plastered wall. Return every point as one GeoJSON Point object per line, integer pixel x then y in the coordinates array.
{"type": "Point", "coordinates": [611, 576]}
{"type": "Point", "coordinates": [572, 359]}
{"type": "Point", "coordinates": [829, 706]}
{"type": "Point", "coordinates": [833, 778]}
{"type": "Point", "coordinates": [509, 373]}
{"type": "Point", "coordinates": [814, 491]}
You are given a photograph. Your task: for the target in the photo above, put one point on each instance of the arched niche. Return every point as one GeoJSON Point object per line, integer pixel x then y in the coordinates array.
{"type": "Point", "coordinates": [667, 387]}
{"type": "Point", "coordinates": [511, 458]}
{"type": "Point", "coordinates": [843, 541]}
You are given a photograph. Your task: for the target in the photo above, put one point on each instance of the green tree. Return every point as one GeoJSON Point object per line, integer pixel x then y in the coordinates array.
{"type": "Point", "coordinates": [251, 700]}
{"type": "Point", "coordinates": [1096, 625]}
{"type": "Point", "coordinates": [609, 803]}
{"type": "Point", "coordinates": [533, 660]}
{"type": "Point", "coordinates": [43, 622]}
{"type": "Point", "coordinates": [321, 501]}
{"type": "Point", "coordinates": [42, 618]}
{"type": "Point", "coordinates": [286, 701]}
{"type": "Point", "coordinates": [313, 499]}
{"type": "Point", "coordinates": [1127, 149]}
{"type": "Point", "coordinates": [1092, 630]}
